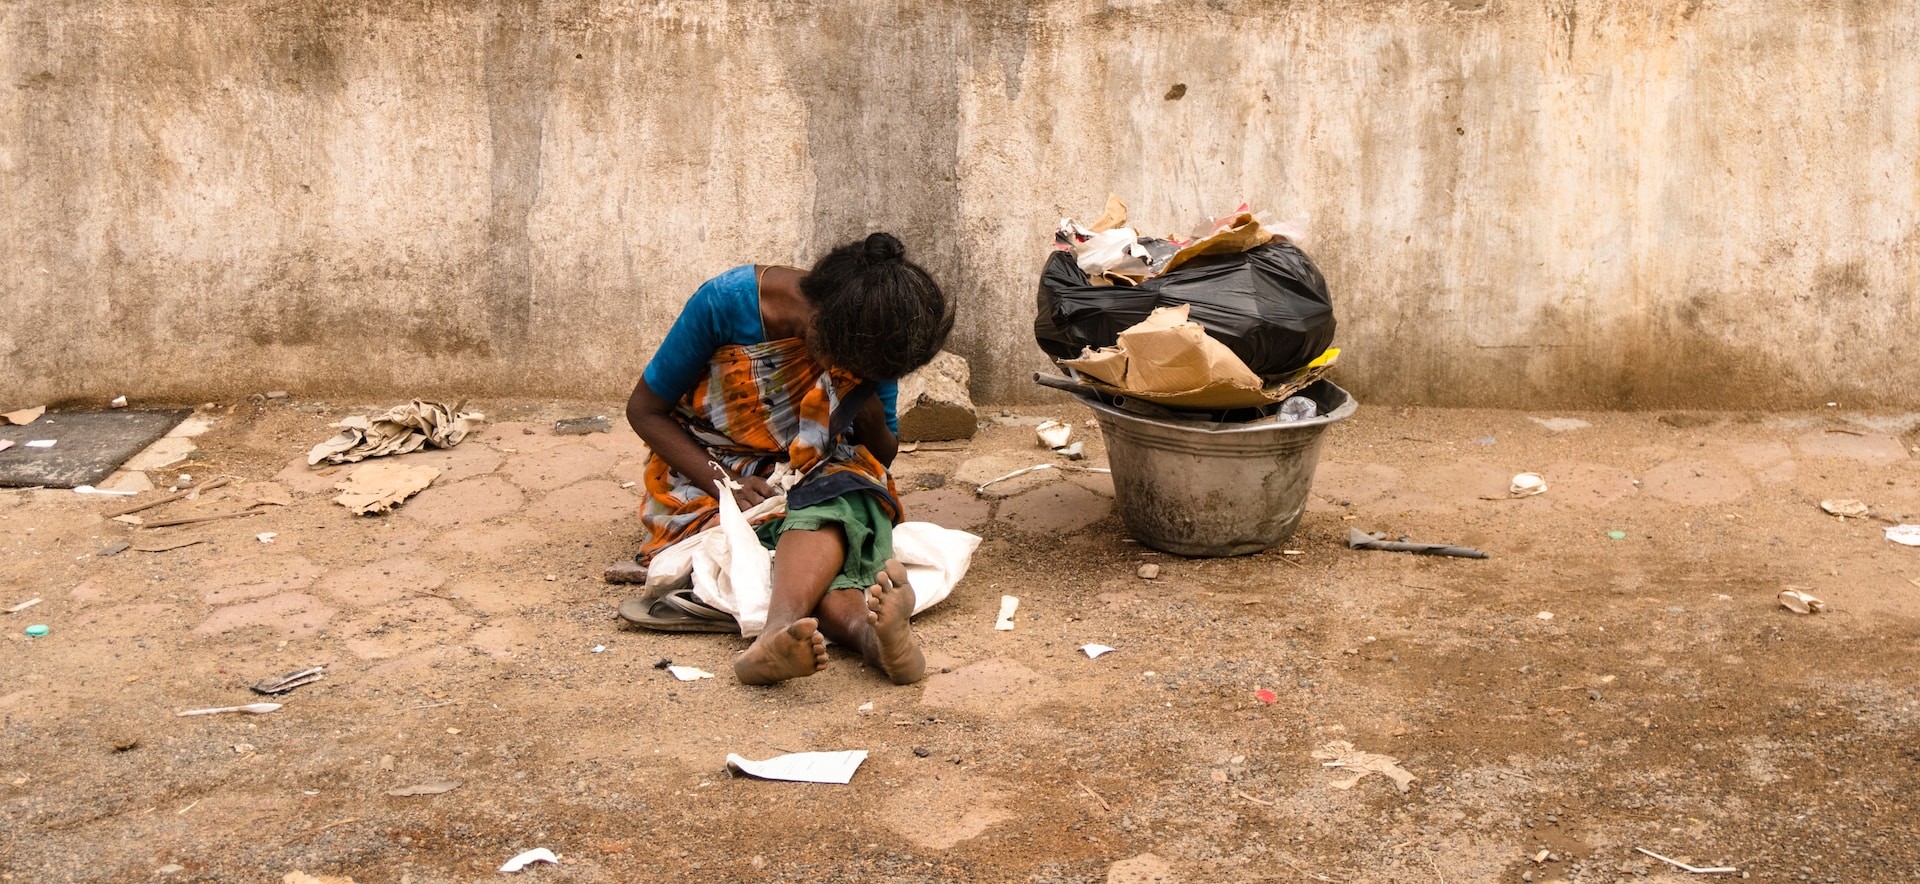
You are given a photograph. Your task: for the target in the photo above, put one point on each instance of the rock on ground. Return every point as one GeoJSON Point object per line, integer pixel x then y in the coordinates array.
{"type": "Point", "coordinates": [934, 404]}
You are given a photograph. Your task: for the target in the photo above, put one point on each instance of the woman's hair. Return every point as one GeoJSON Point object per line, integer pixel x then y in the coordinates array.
{"type": "Point", "coordinates": [875, 313]}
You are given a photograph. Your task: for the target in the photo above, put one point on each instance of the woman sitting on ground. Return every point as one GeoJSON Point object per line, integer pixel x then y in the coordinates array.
{"type": "Point", "coordinates": [770, 365]}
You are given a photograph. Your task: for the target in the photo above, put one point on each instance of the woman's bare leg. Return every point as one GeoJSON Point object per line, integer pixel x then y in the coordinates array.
{"type": "Point", "coordinates": [804, 563]}
{"type": "Point", "coordinates": [877, 624]}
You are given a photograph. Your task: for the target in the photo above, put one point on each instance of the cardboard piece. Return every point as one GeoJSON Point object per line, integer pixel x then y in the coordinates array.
{"type": "Point", "coordinates": [379, 487]}
{"type": "Point", "coordinates": [24, 416]}
{"type": "Point", "coordinates": [1232, 234]}
{"type": "Point", "coordinates": [1170, 360]}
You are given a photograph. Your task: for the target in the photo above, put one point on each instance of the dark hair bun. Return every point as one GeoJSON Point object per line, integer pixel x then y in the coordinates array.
{"type": "Point", "coordinates": [884, 247]}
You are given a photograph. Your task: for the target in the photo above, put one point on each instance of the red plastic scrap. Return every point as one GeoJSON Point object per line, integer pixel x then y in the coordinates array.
{"type": "Point", "coordinates": [1266, 696]}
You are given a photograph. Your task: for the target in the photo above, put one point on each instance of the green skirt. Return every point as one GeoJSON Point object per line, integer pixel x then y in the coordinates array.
{"type": "Point", "coordinates": [861, 517]}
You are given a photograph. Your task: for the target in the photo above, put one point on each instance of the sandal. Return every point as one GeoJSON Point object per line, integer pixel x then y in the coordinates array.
{"type": "Point", "coordinates": [677, 611]}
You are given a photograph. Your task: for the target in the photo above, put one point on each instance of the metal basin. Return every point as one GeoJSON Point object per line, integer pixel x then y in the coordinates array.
{"type": "Point", "coordinates": [1211, 489]}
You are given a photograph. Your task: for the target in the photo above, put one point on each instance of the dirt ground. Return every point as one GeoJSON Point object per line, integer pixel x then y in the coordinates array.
{"type": "Point", "coordinates": [1572, 698]}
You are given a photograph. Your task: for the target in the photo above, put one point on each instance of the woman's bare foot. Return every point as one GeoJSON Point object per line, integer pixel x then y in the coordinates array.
{"type": "Point", "coordinates": [889, 609]}
{"type": "Point", "coordinates": [796, 651]}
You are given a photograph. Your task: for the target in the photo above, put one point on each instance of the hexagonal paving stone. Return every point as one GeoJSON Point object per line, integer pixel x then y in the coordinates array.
{"type": "Point", "coordinates": [1868, 448]}
{"type": "Point", "coordinates": [558, 467]}
{"type": "Point", "coordinates": [1696, 483]}
{"type": "Point", "coordinates": [289, 614]}
{"type": "Point", "coordinates": [474, 500]}
{"type": "Point", "coordinates": [947, 507]}
{"type": "Point", "coordinates": [1061, 508]}
{"type": "Point", "coordinates": [382, 582]}
{"type": "Point", "coordinates": [595, 501]}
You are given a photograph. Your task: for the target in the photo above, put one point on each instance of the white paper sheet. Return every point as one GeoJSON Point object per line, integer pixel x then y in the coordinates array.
{"type": "Point", "coordinates": [803, 767]}
{"type": "Point", "coordinates": [1008, 605]}
{"type": "Point", "coordinates": [688, 673]}
{"type": "Point", "coordinates": [522, 860]}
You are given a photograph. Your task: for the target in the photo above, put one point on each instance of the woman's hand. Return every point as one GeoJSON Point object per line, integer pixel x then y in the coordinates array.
{"type": "Point", "coordinates": [752, 491]}
{"type": "Point", "coordinates": [870, 429]}
{"type": "Point", "coordinates": [652, 419]}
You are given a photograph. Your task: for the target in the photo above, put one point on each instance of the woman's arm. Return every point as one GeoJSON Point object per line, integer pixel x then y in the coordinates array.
{"type": "Point", "coordinates": [652, 419]}
{"type": "Point", "coordinates": [870, 429]}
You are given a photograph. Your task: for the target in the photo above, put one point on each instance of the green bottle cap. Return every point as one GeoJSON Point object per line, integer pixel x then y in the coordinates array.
{"type": "Point", "coordinates": [37, 630]}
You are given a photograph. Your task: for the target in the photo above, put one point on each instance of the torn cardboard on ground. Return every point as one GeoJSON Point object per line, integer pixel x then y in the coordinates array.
{"type": "Point", "coordinates": [379, 487]}
{"type": "Point", "coordinates": [1171, 361]}
{"type": "Point", "coordinates": [403, 429]}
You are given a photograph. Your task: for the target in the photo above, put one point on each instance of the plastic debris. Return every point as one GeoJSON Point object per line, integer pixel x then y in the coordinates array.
{"type": "Point", "coordinates": [1545, 615]}
{"type": "Point", "coordinates": [266, 536]}
{"type": "Point", "coordinates": [288, 682]}
{"type": "Point", "coordinates": [523, 860]}
{"type": "Point", "coordinates": [1845, 508]}
{"type": "Point", "coordinates": [1355, 765]}
{"type": "Point", "coordinates": [1053, 434]}
{"type": "Point", "coordinates": [1616, 535]}
{"type": "Point", "coordinates": [1266, 696]}
{"type": "Point", "coordinates": [89, 489]}
{"type": "Point", "coordinates": [1076, 451]}
{"type": "Point", "coordinates": [437, 787]}
{"type": "Point", "coordinates": [37, 630]}
{"type": "Point", "coordinates": [597, 649]}
{"type": "Point", "coordinates": [581, 426]}
{"type": "Point", "coordinates": [42, 443]}
{"type": "Point", "coordinates": [1801, 603]}
{"type": "Point", "coordinates": [803, 767]}
{"type": "Point", "coordinates": [1298, 408]}
{"type": "Point", "coordinates": [1008, 604]}
{"type": "Point", "coordinates": [23, 606]}
{"type": "Point", "coordinates": [249, 709]}
{"type": "Point", "coordinates": [1093, 652]}
{"type": "Point", "coordinates": [1527, 485]}
{"type": "Point", "coordinates": [688, 673]}
{"type": "Point", "coordinates": [1905, 535]}
{"type": "Point", "coordinates": [118, 402]}
{"type": "Point", "coordinates": [1357, 539]}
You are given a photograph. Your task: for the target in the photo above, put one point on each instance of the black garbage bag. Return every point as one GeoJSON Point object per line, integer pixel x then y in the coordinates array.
{"type": "Point", "coordinates": [1268, 304]}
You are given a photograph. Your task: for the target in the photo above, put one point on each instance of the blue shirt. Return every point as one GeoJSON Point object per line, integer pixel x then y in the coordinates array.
{"type": "Point", "coordinates": [723, 310]}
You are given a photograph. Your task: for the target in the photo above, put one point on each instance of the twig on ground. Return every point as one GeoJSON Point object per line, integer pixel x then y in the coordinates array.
{"type": "Point", "coordinates": [430, 705]}
{"type": "Point", "coordinates": [208, 485]}
{"type": "Point", "coordinates": [1260, 801]}
{"type": "Point", "coordinates": [1096, 796]}
{"type": "Point", "coordinates": [1697, 870]}
{"type": "Point", "coordinates": [1296, 866]}
{"type": "Point", "coordinates": [169, 523]}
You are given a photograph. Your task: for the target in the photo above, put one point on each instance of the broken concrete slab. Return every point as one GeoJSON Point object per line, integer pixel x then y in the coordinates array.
{"type": "Point", "coordinates": [163, 453]}
{"type": "Point", "coordinates": [934, 404]}
{"type": "Point", "coordinates": [88, 446]}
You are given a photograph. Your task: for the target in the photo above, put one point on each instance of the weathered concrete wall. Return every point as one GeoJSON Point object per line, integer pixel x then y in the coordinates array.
{"type": "Point", "coordinates": [1565, 202]}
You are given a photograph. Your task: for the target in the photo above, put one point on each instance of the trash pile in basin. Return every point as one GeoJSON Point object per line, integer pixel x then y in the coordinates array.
{"type": "Point", "coordinates": [1228, 323]}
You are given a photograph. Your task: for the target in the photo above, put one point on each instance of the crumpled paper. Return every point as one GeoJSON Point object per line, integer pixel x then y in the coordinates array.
{"type": "Point", "coordinates": [402, 429]}
{"type": "Point", "coordinates": [379, 487]}
{"type": "Point", "coordinates": [1353, 765]}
